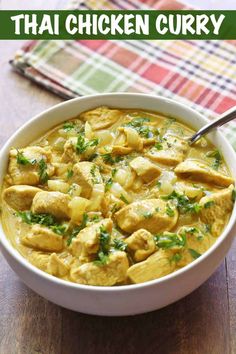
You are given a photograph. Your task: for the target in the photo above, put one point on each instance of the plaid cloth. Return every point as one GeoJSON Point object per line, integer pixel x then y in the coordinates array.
{"type": "Point", "coordinates": [201, 74]}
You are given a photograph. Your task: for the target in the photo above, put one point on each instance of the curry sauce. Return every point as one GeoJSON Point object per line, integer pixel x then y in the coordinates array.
{"type": "Point", "coordinates": [115, 197]}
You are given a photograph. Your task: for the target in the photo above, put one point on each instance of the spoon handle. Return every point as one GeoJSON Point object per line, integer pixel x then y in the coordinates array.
{"type": "Point", "coordinates": [224, 118]}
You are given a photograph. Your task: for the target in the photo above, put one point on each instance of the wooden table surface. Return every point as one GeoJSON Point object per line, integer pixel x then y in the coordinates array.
{"type": "Point", "coordinates": [202, 323]}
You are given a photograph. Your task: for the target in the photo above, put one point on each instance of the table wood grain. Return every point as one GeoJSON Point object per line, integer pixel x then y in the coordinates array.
{"type": "Point", "coordinates": [202, 323]}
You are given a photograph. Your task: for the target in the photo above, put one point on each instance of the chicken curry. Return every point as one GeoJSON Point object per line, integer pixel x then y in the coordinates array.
{"type": "Point", "coordinates": [115, 197]}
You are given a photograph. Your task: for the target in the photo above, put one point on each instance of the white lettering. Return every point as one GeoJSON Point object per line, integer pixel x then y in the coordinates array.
{"type": "Point", "coordinates": [187, 23]}
{"type": "Point", "coordinates": [46, 25]}
{"type": "Point", "coordinates": [84, 24]}
{"type": "Point", "coordinates": [175, 29]}
{"type": "Point", "coordinates": [115, 26]}
{"type": "Point", "coordinates": [17, 20]}
{"type": "Point", "coordinates": [217, 23]}
{"type": "Point", "coordinates": [201, 22]}
{"type": "Point", "coordinates": [102, 20]}
{"type": "Point", "coordinates": [71, 20]}
{"type": "Point", "coordinates": [161, 19]}
{"type": "Point", "coordinates": [142, 24]}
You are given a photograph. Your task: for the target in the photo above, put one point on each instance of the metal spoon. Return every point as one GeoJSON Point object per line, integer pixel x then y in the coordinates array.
{"type": "Point", "coordinates": [224, 118]}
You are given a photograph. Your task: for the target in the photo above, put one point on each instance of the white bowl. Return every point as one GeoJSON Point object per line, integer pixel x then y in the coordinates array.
{"type": "Point", "coordinates": [127, 299]}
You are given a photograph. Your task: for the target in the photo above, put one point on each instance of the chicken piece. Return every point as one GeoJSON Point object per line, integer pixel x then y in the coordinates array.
{"type": "Point", "coordinates": [55, 203]}
{"type": "Point", "coordinates": [196, 240]}
{"type": "Point", "coordinates": [28, 173]}
{"type": "Point", "coordinates": [111, 273]}
{"type": "Point", "coordinates": [86, 174]}
{"type": "Point", "coordinates": [39, 259]}
{"type": "Point", "coordinates": [154, 215]}
{"type": "Point", "coordinates": [145, 169]}
{"type": "Point", "coordinates": [69, 154]}
{"type": "Point", "coordinates": [199, 171]}
{"type": "Point", "coordinates": [121, 150]}
{"type": "Point", "coordinates": [87, 242]}
{"type": "Point", "coordinates": [101, 117]}
{"type": "Point", "coordinates": [216, 209]}
{"type": "Point", "coordinates": [142, 244]}
{"type": "Point", "coordinates": [56, 266]}
{"type": "Point", "coordinates": [20, 197]}
{"type": "Point", "coordinates": [172, 152]}
{"type": "Point", "coordinates": [44, 239]}
{"type": "Point", "coordinates": [111, 204]}
{"type": "Point", "coordinates": [156, 266]}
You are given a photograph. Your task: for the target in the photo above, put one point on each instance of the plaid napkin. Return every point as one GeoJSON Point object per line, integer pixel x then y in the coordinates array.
{"type": "Point", "coordinates": [201, 74]}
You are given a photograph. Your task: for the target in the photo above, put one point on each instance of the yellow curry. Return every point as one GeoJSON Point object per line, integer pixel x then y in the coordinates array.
{"type": "Point", "coordinates": [115, 197]}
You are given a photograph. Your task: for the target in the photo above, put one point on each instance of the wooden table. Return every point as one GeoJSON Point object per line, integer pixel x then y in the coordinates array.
{"type": "Point", "coordinates": [202, 323]}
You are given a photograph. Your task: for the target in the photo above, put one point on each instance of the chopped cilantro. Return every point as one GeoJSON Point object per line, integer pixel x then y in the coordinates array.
{"type": "Point", "coordinates": [194, 253]}
{"type": "Point", "coordinates": [69, 173]}
{"type": "Point", "coordinates": [147, 215]}
{"type": "Point", "coordinates": [158, 146]}
{"type": "Point", "coordinates": [68, 126]}
{"type": "Point", "coordinates": [169, 211]}
{"type": "Point", "coordinates": [176, 257]}
{"type": "Point", "coordinates": [22, 160]}
{"type": "Point", "coordinates": [184, 205]}
{"type": "Point", "coordinates": [82, 145]}
{"type": "Point", "coordinates": [120, 245]}
{"type": "Point", "coordinates": [113, 172]}
{"type": "Point", "coordinates": [30, 218]}
{"type": "Point", "coordinates": [114, 208]}
{"type": "Point", "coordinates": [43, 219]}
{"type": "Point", "coordinates": [77, 229]}
{"type": "Point", "coordinates": [104, 246]}
{"type": "Point", "coordinates": [59, 229]}
{"type": "Point", "coordinates": [138, 125]}
{"type": "Point", "coordinates": [93, 173]}
{"type": "Point", "coordinates": [43, 175]}
{"type": "Point", "coordinates": [109, 159]}
{"type": "Point", "coordinates": [108, 184]}
{"type": "Point", "coordinates": [122, 197]}
{"type": "Point", "coordinates": [170, 240]}
{"type": "Point", "coordinates": [209, 204]}
{"type": "Point", "coordinates": [158, 184]}
{"type": "Point", "coordinates": [217, 158]}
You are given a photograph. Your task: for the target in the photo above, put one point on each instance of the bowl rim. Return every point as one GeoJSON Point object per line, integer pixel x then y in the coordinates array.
{"type": "Point", "coordinates": [8, 247]}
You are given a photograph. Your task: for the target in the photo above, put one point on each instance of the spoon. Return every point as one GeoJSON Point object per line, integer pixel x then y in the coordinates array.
{"type": "Point", "coordinates": [224, 118]}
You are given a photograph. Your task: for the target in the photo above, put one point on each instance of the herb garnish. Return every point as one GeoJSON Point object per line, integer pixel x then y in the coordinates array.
{"type": "Point", "coordinates": [69, 173]}
{"type": "Point", "coordinates": [104, 245]}
{"type": "Point", "coordinates": [68, 126]}
{"type": "Point", "coordinates": [42, 219]}
{"type": "Point", "coordinates": [107, 158]}
{"type": "Point", "coordinates": [82, 145]}
{"type": "Point", "coordinates": [122, 197]}
{"type": "Point", "coordinates": [217, 158]}
{"type": "Point", "coordinates": [138, 125]}
{"type": "Point", "coordinates": [194, 253]}
{"type": "Point", "coordinates": [77, 229]}
{"type": "Point", "coordinates": [184, 204]}
{"type": "Point", "coordinates": [147, 214]}
{"type": "Point", "coordinates": [120, 245]}
{"type": "Point", "coordinates": [169, 211]}
{"type": "Point", "coordinates": [108, 184]}
{"type": "Point", "coordinates": [176, 257]}
{"type": "Point", "coordinates": [43, 175]}
{"type": "Point", "coordinates": [158, 146]}
{"type": "Point", "coordinates": [170, 240]}
{"type": "Point", "coordinates": [209, 204]}
{"type": "Point", "coordinates": [22, 160]}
